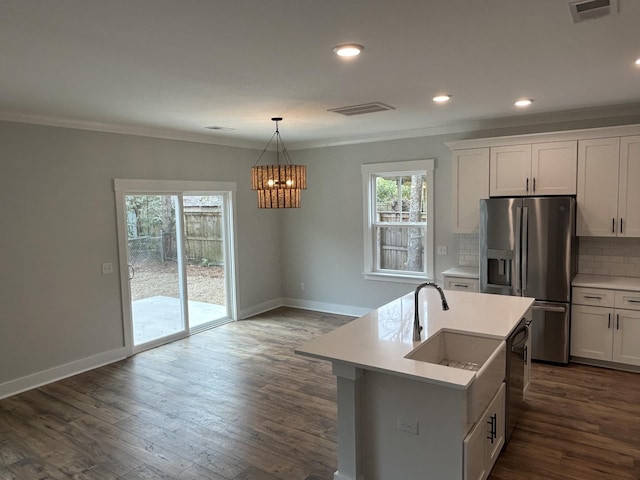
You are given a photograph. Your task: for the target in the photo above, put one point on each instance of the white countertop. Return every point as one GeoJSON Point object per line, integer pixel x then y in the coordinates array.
{"type": "Point", "coordinates": [606, 281]}
{"type": "Point", "coordinates": [380, 340]}
{"type": "Point", "coordinates": [463, 272]}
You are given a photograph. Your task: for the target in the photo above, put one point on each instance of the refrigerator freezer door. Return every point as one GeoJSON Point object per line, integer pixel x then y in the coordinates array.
{"type": "Point", "coordinates": [550, 332]}
{"type": "Point", "coordinates": [500, 246]}
{"type": "Point", "coordinates": [547, 249]}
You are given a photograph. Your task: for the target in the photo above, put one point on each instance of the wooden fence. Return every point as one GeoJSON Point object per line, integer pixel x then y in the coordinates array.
{"type": "Point", "coordinates": [203, 242]}
{"type": "Point", "coordinates": [395, 243]}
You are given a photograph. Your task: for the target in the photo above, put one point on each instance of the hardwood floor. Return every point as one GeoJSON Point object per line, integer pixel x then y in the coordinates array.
{"type": "Point", "coordinates": [235, 403]}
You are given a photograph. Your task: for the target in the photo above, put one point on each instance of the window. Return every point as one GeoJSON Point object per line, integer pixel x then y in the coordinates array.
{"type": "Point", "coordinates": [398, 220]}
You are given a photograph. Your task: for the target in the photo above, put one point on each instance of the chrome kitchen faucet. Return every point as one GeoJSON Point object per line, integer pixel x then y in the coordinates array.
{"type": "Point", "coordinates": [417, 328]}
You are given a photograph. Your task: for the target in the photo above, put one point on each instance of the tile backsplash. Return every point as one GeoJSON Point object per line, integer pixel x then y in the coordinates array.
{"type": "Point", "coordinates": [609, 256]}
{"type": "Point", "coordinates": [596, 255]}
{"type": "Point", "coordinates": [468, 250]}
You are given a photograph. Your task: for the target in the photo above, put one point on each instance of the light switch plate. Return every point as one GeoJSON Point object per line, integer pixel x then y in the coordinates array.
{"type": "Point", "coordinates": [442, 250]}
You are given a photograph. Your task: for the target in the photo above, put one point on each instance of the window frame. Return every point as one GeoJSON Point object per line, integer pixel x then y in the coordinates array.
{"type": "Point", "coordinates": [402, 168]}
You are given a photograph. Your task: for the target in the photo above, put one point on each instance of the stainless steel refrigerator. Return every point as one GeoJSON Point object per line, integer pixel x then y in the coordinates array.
{"type": "Point", "coordinates": [528, 248]}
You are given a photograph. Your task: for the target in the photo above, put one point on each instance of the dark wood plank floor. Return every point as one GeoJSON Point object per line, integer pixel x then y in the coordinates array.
{"type": "Point", "coordinates": [235, 403]}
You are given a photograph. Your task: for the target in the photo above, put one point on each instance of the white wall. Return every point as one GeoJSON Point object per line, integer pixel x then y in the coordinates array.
{"type": "Point", "coordinates": [57, 207]}
{"type": "Point", "coordinates": [323, 240]}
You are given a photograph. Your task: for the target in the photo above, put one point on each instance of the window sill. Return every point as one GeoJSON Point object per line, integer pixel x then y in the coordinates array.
{"type": "Point", "coordinates": [396, 278]}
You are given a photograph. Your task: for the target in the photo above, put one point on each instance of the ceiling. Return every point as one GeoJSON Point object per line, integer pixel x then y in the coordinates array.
{"type": "Point", "coordinates": [170, 68]}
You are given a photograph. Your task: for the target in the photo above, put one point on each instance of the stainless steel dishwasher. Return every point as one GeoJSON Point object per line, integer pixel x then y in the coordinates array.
{"type": "Point", "coordinates": [517, 357]}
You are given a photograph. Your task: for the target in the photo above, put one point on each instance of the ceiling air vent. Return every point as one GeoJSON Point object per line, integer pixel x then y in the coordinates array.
{"type": "Point", "coordinates": [585, 10]}
{"type": "Point", "coordinates": [362, 109]}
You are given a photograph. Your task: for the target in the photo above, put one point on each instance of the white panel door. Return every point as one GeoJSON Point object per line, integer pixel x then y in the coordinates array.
{"type": "Point", "coordinates": [554, 168]}
{"type": "Point", "coordinates": [629, 190]}
{"type": "Point", "coordinates": [598, 166]}
{"type": "Point", "coordinates": [510, 171]}
{"type": "Point", "coordinates": [591, 332]}
{"type": "Point", "coordinates": [626, 344]}
{"type": "Point", "coordinates": [470, 174]}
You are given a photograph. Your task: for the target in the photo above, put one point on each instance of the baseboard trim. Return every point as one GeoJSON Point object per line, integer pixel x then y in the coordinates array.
{"type": "Point", "coordinates": [260, 308]}
{"type": "Point", "coordinates": [606, 364]}
{"type": "Point", "coordinates": [35, 380]}
{"type": "Point", "coordinates": [326, 307]}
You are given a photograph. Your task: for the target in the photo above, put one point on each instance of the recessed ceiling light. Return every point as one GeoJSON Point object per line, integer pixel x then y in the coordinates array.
{"type": "Point", "coordinates": [638, 61]}
{"type": "Point", "coordinates": [524, 102]}
{"type": "Point", "coordinates": [441, 98]}
{"type": "Point", "coordinates": [348, 50]}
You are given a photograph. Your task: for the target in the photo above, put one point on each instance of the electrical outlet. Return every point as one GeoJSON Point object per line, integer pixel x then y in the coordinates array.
{"type": "Point", "coordinates": [302, 286]}
{"type": "Point", "coordinates": [107, 268]}
{"type": "Point", "coordinates": [442, 249]}
{"type": "Point", "coordinates": [409, 425]}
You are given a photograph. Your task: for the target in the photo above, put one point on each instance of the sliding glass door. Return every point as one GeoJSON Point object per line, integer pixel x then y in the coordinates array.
{"type": "Point", "coordinates": [179, 263]}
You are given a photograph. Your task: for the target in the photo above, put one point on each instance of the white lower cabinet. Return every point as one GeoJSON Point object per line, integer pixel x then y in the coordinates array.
{"type": "Point", "coordinates": [485, 440]}
{"type": "Point", "coordinates": [461, 283]}
{"type": "Point", "coordinates": [611, 332]}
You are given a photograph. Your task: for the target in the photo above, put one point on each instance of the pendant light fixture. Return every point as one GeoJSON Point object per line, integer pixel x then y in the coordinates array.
{"type": "Point", "coordinates": [278, 185]}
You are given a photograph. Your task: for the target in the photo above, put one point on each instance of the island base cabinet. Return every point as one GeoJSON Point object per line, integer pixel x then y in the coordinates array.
{"type": "Point", "coordinates": [483, 444]}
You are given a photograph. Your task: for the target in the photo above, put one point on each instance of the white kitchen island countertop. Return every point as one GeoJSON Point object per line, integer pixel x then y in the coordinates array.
{"type": "Point", "coordinates": [380, 340]}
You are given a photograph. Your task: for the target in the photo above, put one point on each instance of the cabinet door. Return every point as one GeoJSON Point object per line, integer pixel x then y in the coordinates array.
{"type": "Point", "coordinates": [554, 168]}
{"type": "Point", "coordinates": [527, 360]}
{"type": "Point", "coordinates": [510, 171]}
{"type": "Point", "coordinates": [626, 347]}
{"type": "Point", "coordinates": [629, 193]}
{"type": "Point", "coordinates": [591, 332]}
{"type": "Point", "coordinates": [470, 174]}
{"type": "Point", "coordinates": [474, 453]}
{"type": "Point", "coordinates": [495, 414]}
{"type": "Point", "coordinates": [483, 444]}
{"type": "Point", "coordinates": [598, 166]}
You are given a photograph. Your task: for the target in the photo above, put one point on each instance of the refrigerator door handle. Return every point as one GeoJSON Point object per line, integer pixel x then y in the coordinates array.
{"type": "Point", "coordinates": [549, 308]}
{"type": "Point", "coordinates": [525, 248]}
{"type": "Point", "coordinates": [517, 269]}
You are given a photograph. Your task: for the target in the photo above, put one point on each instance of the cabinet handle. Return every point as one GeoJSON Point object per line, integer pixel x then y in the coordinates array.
{"type": "Point", "coordinates": [534, 184]}
{"type": "Point", "coordinates": [617, 321]}
{"type": "Point", "coordinates": [527, 184]}
{"type": "Point", "coordinates": [526, 355]}
{"type": "Point", "coordinates": [631, 300]}
{"type": "Point", "coordinates": [593, 297]}
{"type": "Point", "coordinates": [620, 224]}
{"type": "Point", "coordinates": [609, 323]}
{"type": "Point", "coordinates": [493, 421]}
{"type": "Point", "coordinates": [460, 285]}
{"type": "Point", "coordinates": [613, 225]}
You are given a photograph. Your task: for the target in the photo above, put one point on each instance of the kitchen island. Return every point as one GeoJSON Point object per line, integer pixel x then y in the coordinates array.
{"type": "Point", "coordinates": [400, 413]}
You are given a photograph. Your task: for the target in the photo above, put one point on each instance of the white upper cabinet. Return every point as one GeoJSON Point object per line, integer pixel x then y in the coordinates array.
{"type": "Point", "coordinates": [534, 169]}
{"type": "Point", "coordinates": [510, 170]}
{"type": "Point", "coordinates": [554, 168]}
{"type": "Point", "coordinates": [629, 189]}
{"type": "Point", "coordinates": [608, 198]}
{"type": "Point", "coordinates": [470, 174]}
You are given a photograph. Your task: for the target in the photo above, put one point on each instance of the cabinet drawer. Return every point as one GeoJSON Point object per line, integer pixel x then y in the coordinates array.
{"type": "Point", "coordinates": [593, 296]}
{"type": "Point", "coordinates": [628, 300]}
{"type": "Point", "coordinates": [462, 284]}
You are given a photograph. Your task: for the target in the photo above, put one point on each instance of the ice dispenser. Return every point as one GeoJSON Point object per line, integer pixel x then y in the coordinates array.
{"type": "Point", "coordinates": [499, 263]}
